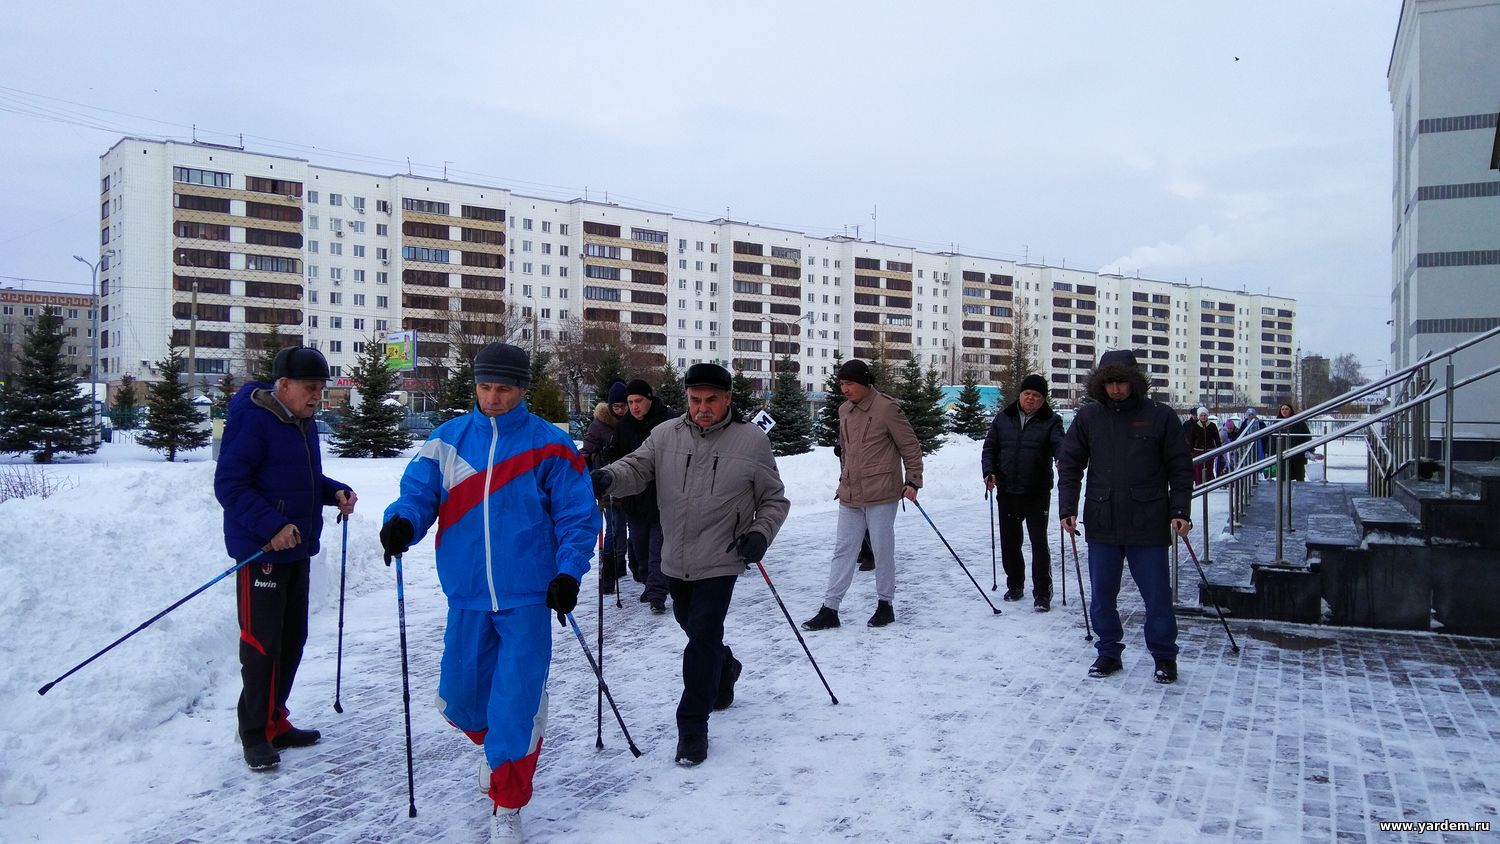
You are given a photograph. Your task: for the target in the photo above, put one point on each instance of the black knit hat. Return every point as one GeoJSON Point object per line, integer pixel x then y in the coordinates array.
{"type": "Point", "coordinates": [502, 363]}
{"type": "Point", "coordinates": [857, 371]}
{"type": "Point", "coordinates": [1033, 382]}
{"type": "Point", "coordinates": [299, 362]}
{"type": "Point", "coordinates": [639, 388]}
{"type": "Point", "coordinates": [708, 375]}
{"type": "Point", "coordinates": [1122, 357]}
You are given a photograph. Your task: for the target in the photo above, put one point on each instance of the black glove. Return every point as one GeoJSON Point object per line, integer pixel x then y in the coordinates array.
{"type": "Point", "coordinates": [752, 546]}
{"type": "Point", "coordinates": [395, 537]}
{"type": "Point", "coordinates": [562, 596]}
{"type": "Point", "coordinates": [602, 482]}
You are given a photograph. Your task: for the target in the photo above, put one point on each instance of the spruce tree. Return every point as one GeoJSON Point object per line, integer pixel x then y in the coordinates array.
{"type": "Point", "coordinates": [793, 431]}
{"type": "Point", "coordinates": [610, 369]}
{"type": "Point", "coordinates": [933, 393]}
{"type": "Point", "coordinates": [545, 398]}
{"type": "Point", "coordinates": [456, 394]}
{"type": "Point", "coordinates": [744, 396]}
{"type": "Point", "coordinates": [970, 417]}
{"type": "Point", "coordinates": [827, 427]}
{"type": "Point", "coordinates": [172, 424]}
{"type": "Point", "coordinates": [42, 410]}
{"type": "Point", "coordinates": [921, 411]}
{"type": "Point", "coordinates": [122, 410]}
{"type": "Point", "coordinates": [373, 429]}
{"type": "Point", "coordinates": [881, 376]}
{"type": "Point", "coordinates": [261, 363]}
{"type": "Point", "coordinates": [227, 388]}
{"type": "Point", "coordinates": [671, 392]}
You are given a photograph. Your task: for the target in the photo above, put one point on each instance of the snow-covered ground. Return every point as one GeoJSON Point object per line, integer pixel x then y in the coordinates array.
{"type": "Point", "coordinates": [953, 724]}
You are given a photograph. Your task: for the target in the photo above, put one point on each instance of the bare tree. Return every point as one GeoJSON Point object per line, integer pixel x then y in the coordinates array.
{"type": "Point", "coordinates": [1025, 354]}
{"type": "Point", "coordinates": [586, 348]}
{"type": "Point", "coordinates": [451, 336]}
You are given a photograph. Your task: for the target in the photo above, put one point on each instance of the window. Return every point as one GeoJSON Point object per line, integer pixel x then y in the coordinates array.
{"type": "Point", "coordinates": [526, 267]}
{"type": "Point", "coordinates": [359, 300]}
{"type": "Point", "coordinates": [423, 253]}
{"type": "Point", "coordinates": [335, 248]}
{"type": "Point", "coordinates": [381, 324]}
{"type": "Point", "coordinates": [335, 298]}
{"type": "Point", "coordinates": [335, 273]}
{"type": "Point", "coordinates": [312, 246]}
{"type": "Point", "coordinates": [194, 176]}
{"type": "Point", "coordinates": [359, 250]}
{"type": "Point", "coordinates": [382, 230]}
{"type": "Point", "coordinates": [359, 204]}
{"type": "Point", "coordinates": [335, 199]}
{"type": "Point", "coordinates": [546, 226]}
{"type": "Point", "coordinates": [562, 228]}
{"type": "Point", "coordinates": [425, 207]}
{"type": "Point", "coordinates": [359, 276]}
{"type": "Point", "coordinates": [382, 253]}
{"type": "Point", "coordinates": [382, 277]}
{"type": "Point", "coordinates": [382, 206]}
{"type": "Point", "coordinates": [312, 321]}
{"type": "Point", "coordinates": [357, 226]}
{"type": "Point", "coordinates": [335, 322]}
{"type": "Point", "coordinates": [312, 221]}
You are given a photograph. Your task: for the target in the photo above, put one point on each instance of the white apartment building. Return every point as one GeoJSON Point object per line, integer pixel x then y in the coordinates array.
{"type": "Point", "coordinates": [1444, 83]}
{"type": "Point", "coordinates": [333, 258]}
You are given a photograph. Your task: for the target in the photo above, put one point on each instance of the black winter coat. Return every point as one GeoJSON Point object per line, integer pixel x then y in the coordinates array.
{"type": "Point", "coordinates": [630, 434]}
{"type": "Point", "coordinates": [1201, 437]}
{"type": "Point", "coordinates": [1140, 476]}
{"type": "Point", "coordinates": [1021, 458]}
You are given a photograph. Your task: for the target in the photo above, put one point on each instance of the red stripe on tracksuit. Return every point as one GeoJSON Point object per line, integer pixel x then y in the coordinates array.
{"type": "Point", "coordinates": [245, 635]}
{"type": "Point", "coordinates": [471, 491]}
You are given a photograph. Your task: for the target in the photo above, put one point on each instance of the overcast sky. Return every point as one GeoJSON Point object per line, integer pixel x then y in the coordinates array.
{"type": "Point", "coordinates": [1245, 145]}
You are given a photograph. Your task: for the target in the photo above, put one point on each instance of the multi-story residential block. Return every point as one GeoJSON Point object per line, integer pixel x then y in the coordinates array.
{"type": "Point", "coordinates": [19, 310]}
{"type": "Point", "coordinates": [1445, 201]}
{"type": "Point", "coordinates": [336, 258]}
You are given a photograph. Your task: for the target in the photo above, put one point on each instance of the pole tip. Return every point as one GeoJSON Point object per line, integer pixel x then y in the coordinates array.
{"type": "Point", "coordinates": [635, 751]}
{"type": "Point", "coordinates": [835, 700]}
{"type": "Point", "coordinates": [997, 610]}
{"type": "Point", "coordinates": [45, 689]}
{"type": "Point", "coordinates": [338, 707]}
{"type": "Point", "coordinates": [411, 812]}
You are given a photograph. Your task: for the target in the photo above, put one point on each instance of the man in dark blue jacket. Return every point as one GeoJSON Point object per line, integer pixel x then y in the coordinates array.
{"type": "Point", "coordinates": [1023, 441]}
{"type": "Point", "coordinates": [1140, 483]}
{"type": "Point", "coordinates": [271, 484]}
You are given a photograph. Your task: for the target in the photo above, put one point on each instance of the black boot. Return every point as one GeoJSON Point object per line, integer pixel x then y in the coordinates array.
{"type": "Point", "coordinates": [728, 676]}
{"type": "Point", "coordinates": [1166, 671]}
{"type": "Point", "coordinates": [825, 619]}
{"type": "Point", "coordinates": [296, 738]}
{"type": "Point", "coordinates": [606, 577]}
{"type": "Point", "coordinates": [261, 756]}
{"type": "Point", "coordinates": [1105, 666]}
{"type": "Point", "coordinates": [1013, 594]}
{"type": "Point", "coordinates": [1043, 601]}
{"type": "Point", "coordinates": [884, 614]}
{"type": "Point", "coordinates": [692, 749]}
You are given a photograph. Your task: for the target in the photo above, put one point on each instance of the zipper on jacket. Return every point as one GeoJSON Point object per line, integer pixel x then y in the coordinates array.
{"type": "Point", "coordinates": [714, 477]}
{"type": "Point", "coordinates": [685, 469]}
{"type": "Point", "coordinates": [489, 469]}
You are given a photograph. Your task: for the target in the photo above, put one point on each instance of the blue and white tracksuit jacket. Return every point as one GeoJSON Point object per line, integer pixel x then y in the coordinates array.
{"type": "Point", "coordinates": [514, 508]}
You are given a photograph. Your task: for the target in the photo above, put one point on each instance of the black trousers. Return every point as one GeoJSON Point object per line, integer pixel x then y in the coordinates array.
{"type": "Point", "coordinates": [1031, 510]}
{"type": "Point", "coordinates": [273, 630]}
{"type": "Point", "coordinates": [700, 607]}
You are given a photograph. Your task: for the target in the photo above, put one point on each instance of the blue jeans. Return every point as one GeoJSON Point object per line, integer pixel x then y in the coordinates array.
{"type": "Point", "coordinates": [1148, 567]}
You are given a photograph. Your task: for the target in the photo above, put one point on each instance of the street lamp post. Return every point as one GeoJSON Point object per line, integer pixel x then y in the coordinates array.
{"type": "Point", "coordinates": [94, 329]}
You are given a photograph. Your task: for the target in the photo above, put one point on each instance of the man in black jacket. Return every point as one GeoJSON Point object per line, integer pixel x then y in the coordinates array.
{"type": "Point", "coordinates": [1023, 441]}
{"type": "Point", "coordinates": [1140, 483]}
{"type": "Point", "coordinates": [642, 517]}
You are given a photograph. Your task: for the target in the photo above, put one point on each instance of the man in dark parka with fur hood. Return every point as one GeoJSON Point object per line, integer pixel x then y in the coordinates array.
{"type": "Point", "coordinates": [1140, 482]}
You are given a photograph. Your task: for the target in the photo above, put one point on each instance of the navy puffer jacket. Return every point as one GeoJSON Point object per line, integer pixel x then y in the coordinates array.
{"type": "Point", "coordinates": [270, 474]}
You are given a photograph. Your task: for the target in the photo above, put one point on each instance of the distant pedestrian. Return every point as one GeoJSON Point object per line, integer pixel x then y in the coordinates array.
{"type": "Point", "coordinates": [1252, 425]}
{"type": "Point", "coordinates": [270, 481]}
{"type": "Point", "coordinates": [1292, 436]}
{"type": "Point", "coordinates": [882, 464]}
{"type": "Point", "coordinates": [597, 441]}
{"type": "Point", "coordinates": [642, 518]}
{"type": "Point", "coordinates": [1023, 441]}
{"type": "Point", "coordinates": [516, 525]}
{"type": "Point", "coordinates": [721, 502]}
{"type": "Point", "coordinates": [1139, 489]}
{"type": "Point", "coordinates": [1202, 436]}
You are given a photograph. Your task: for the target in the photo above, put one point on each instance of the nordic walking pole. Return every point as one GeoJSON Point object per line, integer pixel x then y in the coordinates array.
{"type": "Point", "coordinates": [599, 694]}
{"type": "Point", "coordinates": [338, 674]}
{"type": "Point", "coordinates": [411, 788]}
{"type": "Point", "coordinates": [153, 619]}
{"type": "Point", "coordinates": [1088, 633]}
{"type": "Point", "coordinates": [1062, 563]}
{"type": "Point", "coordinates": [994, 572]}
{"type": "Point", "coordinates": [798, 633]}
{"type": "Point", "coordinates": [1232, 643]}
{"type": "Point", "coordinates": [619, 540]}
{"type": "Point", "coordinates": [603, 686]}
{"type": "Point", "coordinates": [961, 565]}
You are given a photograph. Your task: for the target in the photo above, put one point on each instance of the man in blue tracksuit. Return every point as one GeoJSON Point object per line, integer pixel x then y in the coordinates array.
{"type": "Point", "coordinates": [516, 524]}
{"type": "Point", "coordinates": [270, 482]}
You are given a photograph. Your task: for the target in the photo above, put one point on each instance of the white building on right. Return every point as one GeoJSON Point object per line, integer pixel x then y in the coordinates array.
{"type": "Point", "coordinates": [1444, 81]}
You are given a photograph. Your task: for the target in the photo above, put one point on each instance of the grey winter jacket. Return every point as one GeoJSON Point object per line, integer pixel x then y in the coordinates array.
{"type": "Point", "coordinates": [712, 486]}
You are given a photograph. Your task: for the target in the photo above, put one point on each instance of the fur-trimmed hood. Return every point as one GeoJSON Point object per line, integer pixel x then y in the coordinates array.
{"type": "Point", "coordinates": [602, 413]}
{"type": "Point", "coordinates": [1118, 366]}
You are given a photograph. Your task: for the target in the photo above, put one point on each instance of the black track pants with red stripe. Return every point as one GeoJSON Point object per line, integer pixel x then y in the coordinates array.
{"type": "Point", "coordinates": [273, 629]}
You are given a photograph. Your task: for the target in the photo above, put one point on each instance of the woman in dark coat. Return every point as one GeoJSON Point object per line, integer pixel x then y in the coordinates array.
{"type": "Point", "coordinates": [1294, 435]}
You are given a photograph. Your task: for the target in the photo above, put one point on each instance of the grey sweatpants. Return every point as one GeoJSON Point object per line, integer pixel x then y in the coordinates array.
{"type": "Point", "coordinates": [880, 521]}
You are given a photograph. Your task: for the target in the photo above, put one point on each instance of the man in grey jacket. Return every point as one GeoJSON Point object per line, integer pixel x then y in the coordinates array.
{"type": "Point", "coordinates": [722, 502]}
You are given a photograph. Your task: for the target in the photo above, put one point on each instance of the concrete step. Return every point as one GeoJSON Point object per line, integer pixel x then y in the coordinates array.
{"type": "Point", "coordinates": [1386, 516]}
{"type": "Point", "coordinates": [1465, 517]}
{"type": "Point", "coordinates": [1326, 531]}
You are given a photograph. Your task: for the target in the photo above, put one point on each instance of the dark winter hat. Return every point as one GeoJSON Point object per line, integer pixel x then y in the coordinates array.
{"type": "Point", "coordinates": [299, 362]}
{"type": "Point", "coordinates": [1122, 357]}
{"type": "Point", "coordinates": [502, 363]}
{"type": "Point", "coordinates": [857, 371]}
{"type": "Point", "coordinates": [1035, 383]}
{"type": "Point", "coordinates": [708, 375]}
{"type": "Point", "coordinates": [639, 388]}
{"type": "Point", "coordinates": [617, 394]}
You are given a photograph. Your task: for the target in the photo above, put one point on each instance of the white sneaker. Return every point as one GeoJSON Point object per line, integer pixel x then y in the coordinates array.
{"type": "Point", "coordinates": [505, 826]}
{"type": "Point", "coordinates": [484, 773]}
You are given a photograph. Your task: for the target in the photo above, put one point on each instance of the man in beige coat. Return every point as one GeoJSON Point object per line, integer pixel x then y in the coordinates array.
{"type": "Point", "coordinates": [877, 443]}
{"type": "Point", "coordinates": [722, 502]}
